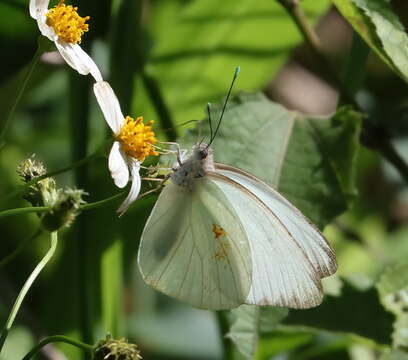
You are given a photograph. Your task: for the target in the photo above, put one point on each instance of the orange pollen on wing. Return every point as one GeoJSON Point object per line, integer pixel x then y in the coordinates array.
{"type": "Point", "coordinates": [137, 139]}
{"type": "Point", "coordinates": [218, 231]}
{"type": "Point", "coordinates": [66, 22]}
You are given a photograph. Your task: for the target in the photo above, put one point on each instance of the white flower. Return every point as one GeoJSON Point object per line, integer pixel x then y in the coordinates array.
{"type": "Point", "coordinates": [64, 27]}
{"type": "Point", "coordinates": [134, 141]}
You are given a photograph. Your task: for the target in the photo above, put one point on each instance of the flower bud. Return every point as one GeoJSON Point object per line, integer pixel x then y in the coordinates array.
{"type": "Point", "coordinates": [64, 209]}
{"type": "Point", "coordinates": [110, 349]}
{"type": "Point", "coordinates": [42, 192]}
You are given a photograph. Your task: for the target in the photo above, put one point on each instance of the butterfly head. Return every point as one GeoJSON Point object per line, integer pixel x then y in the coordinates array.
{"type": "Point", "coordinates": [195, 166]}
{"type": "Point", "coordinates": [201, 151]}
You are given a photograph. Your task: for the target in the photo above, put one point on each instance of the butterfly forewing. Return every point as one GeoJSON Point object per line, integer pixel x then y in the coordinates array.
{"type": "Point", "coordinates": [301, 230]}
{"type": "Point", "coordinates": [283, 273]}
{"type": "Point", "coordinates": [194, 247]}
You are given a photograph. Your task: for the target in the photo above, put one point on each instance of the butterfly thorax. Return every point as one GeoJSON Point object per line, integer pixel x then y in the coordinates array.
{"type": "Point", "coordinates": [195, 166]}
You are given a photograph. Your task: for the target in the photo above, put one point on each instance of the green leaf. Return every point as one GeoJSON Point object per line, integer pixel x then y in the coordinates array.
{"type": "Point", "coordinates": [381, 28]}
{"type": "Point", "coordinates": [199, 43]}
{"type": "Point", "coordinates": [393, 291]}
{"type": "Point", "coordinates": [392, 354]}
{"type": "Point", "coordinates": [246, 323]}
{"type": "Point", "coordinates": [355, 312]}
{"type": "Point", "coordinates": [309, 159]}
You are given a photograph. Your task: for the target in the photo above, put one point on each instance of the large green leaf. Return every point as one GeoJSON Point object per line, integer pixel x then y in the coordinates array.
{"type": "Point", "coordinates": [393, 291]}
{"type": "Point", "coordinates": [381, 28]}
{"type": "Point", "coordinates": [247, 321]}
{"type": "Point", "coordinates": [197, 43]}
{"type": "Point", "coordinates": [310, 159]}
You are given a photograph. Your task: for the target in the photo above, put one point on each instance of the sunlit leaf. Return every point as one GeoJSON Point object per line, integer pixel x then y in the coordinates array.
{"type": "Point", "coordinates": [381, 28]}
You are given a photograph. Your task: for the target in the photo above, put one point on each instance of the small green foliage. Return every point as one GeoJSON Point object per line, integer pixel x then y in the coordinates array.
{"type": "Point", "coordinates": [393, 292]}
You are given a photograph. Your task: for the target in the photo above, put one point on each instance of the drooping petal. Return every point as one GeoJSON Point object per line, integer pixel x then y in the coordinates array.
{"type": "Point", "coordinates": [78, 59]}
{"type": "Point", "coordinates": [118, 166]}
{"type": "Point", "coordinates": [46, 30]}
{"type": "Point", "coordinates": [38, 7]}
{"type": "Point", "coordinates": [109, 105]}
{"type": "Point", "coordinates": [134, 189]}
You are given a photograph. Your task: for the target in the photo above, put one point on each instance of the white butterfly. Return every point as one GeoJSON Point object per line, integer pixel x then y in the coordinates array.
{"type": "Point", "coordinates": [219, 237]}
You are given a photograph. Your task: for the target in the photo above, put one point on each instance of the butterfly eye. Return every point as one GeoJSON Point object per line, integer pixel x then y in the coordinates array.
{"type": "Point", "coordinates": [202, 154]}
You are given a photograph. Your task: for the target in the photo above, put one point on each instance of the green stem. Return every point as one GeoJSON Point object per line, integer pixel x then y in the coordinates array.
{"type": "Point", "coordinates": [22, 189]}
{"type": "Point", "coordinates": [162, 110]}
{"type": "Point", "coordinates": [224, 328]}
{"type": "Point", "coordinates": [42, 209]}
{"type": "Point", "coordinates": [102, 203]}
{"type": "Point", "coordinates": [58, 338]}
{"type": "Point", "coordinates": [31, 67]}
{"type": "Point", "coordinates": [26, 287]}
{"type": "Point", "coordinates": [11, 256]}
{"type": "Point", "coordinates": [24, 210]}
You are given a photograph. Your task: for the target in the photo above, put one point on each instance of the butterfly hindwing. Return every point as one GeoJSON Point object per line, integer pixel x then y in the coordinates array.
{"type": "Point", "coordinates": [194, 247]}
{"type": "Point", "coordinates": [289, 255]}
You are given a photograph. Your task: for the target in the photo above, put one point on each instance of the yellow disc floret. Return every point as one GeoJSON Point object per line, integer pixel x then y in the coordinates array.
{"type": "Point", "coordinates": [137, 139]}
{"type": "Point", "coordinates": [66, 22]}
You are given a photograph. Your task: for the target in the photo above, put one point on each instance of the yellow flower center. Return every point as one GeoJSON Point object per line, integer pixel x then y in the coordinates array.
{"type": "Point", "coordinates": [66, 22]}
{"type": "Point", "coordinates": [137, 139]}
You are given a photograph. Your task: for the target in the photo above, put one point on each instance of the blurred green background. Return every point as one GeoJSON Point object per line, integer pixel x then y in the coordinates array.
{"type": "Point", "coordinates": [165, 60]}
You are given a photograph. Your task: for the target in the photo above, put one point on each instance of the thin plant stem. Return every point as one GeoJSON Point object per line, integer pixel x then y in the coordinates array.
{"type": "Point", "coordinates": [224, 327]}
{"type": "Point", "coordinates": [24, 210]}
{"type": "Point", "coordinates": [26, 287]}
{"type": "Point", "coordinates": [381, 144]}
{"type": "Point", "coordinates": [22, 189]}
{"type": "Point", "coordinates": [31, 67]}
{"type": "Point", "coordinates": [58, 338]}
{"type": "Point", "coordinates": [162, 110]}
{"type": "Point", "coordinates": [20, 247]}
{"type": "Point", "coordinates": [43, 209]}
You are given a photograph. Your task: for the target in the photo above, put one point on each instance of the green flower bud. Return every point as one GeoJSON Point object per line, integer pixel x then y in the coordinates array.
{"type": "Point", "coordinates": [110, 349]}
{"type": "Point", "coordinates": [64, 209]}
{"type": "Point", "coordinates": [42, 192]}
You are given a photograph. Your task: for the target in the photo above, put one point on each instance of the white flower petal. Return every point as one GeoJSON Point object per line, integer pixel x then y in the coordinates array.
{"type": "Point", "coordinates": [46, 30]}
{"type": "Point", "coordinates": [109, 105]}
{"type": "Point", "coordinates": [135, 188]}
{"type": "Point", "coordinates": [118, 166]}
{"type": "Point", "coordinates": [78, 59]}
{"type": "Point", "coordinates": [38, 7]}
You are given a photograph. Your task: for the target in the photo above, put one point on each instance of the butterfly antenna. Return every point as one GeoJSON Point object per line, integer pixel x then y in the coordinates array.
{"type": "Point", "coordinates": [237, 70]}
{"type": "Point", "coordinates": [209, 120]}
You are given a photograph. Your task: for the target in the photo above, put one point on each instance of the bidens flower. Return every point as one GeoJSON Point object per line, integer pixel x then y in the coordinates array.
{"type": "Point", "coordinates": [65, 27]}
{"type": "Point", "coordinates": [134, 141]}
